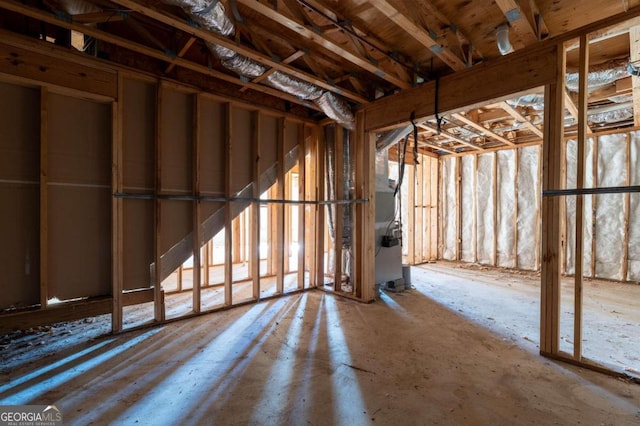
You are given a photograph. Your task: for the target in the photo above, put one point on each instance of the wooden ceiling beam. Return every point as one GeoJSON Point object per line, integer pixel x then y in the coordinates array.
{"type": "Point", "coordinates": [518, 21]}
{"type": "Point", "coordinates": [211, 37]}
{"type": "Point", "coordinates": [420, 34]}
{"type": "Point", "coordinates": [145, 50]}
{"type": "Point", "coordinates": [521, 118]}
{"type": "Point", "coordinates": [482, 129]}
{"type": "Point", "coordinates": [433, 129]}
{"type": "Point", "coordinates": [97, 17]}
{"type": "Point", "coordinates": [183, 51]}
{"type": "Point", "coordinates": [297, 54]}
{"type": "Point", "coordinates": [436, 146]}
{"type": "Point", "coordinates": [321, 41]}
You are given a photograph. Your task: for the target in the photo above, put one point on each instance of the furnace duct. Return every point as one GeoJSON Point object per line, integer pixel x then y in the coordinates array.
{"type": "Point", "coordinates": [210, 14]}
{"type": "Point", "coordinates": [600, 76]}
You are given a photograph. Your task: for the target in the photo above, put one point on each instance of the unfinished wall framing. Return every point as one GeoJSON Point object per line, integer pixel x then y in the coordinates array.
{"type": "Point", "coordinates": [150, 192]}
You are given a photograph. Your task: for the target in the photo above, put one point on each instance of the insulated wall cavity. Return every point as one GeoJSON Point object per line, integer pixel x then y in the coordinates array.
{"type": "Point", "coordinates": [485, 209]}
{"type": "Point", "coordinates": [449, 208]}
{"type": "Point", "coordinates": [467, 208]}
{"type": "Point", "coordinates": [506, 209]}
{"type": "Point", "coordinates": [611, 171]}
{"type": "Point", "coordinates": [528, 206]}
{"type": "Point", "coordinates": [633, 268]}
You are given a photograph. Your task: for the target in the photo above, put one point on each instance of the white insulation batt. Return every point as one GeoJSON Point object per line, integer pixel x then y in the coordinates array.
{"type": "Point", "coordinates": [467, 210]}
{"type": "Point", "coordinates": [633, 270]}
{"type": "Point", "coordinates": [485, 207]}
{"type": "Point", "coordinates": [506, 205]}
{"type": "Point", "coordinates": [449, 206]}
{"type": "Point", "coordinates": [528, 200]}
{"type": "Point", "coordinates": [517, 207]}
{"type": "Point", "coordinates": [612, 160]}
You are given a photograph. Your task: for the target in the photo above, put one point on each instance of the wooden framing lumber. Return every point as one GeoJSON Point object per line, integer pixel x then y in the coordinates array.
{"type": "Point", "coordinates": [197, 234]}
{"type": "Point", "coordinates": [516, 114]}
{"type": "Point", "coordinates": [525, 32]}
{"type": "Point", "coordinates": [291, 58]}
{"type": "Point", "coordinates": [634, 50]}
{"type": "Point", "coordinates": [254, 230]}
{"type": "Point", "coordinates": [318, 39]}
{"type": "Point", "coordinates": [420, 34]}
{"type": "Point", "coordinates": [117, 220]}
{"type": "Point", "coordinates": [228, 214]}
{"type": "Point", "coordinates": [302, 196]}
{"type": "Point", "coordinates": [482, 129]}
{"type": "Point", "coordinates": [431, 128]}
{"type": "Point", "coordinates": [231, 44]}
{"type": "Point", "coordinates": [553, 139]}
{"type": "Point", "coordinates": [183, 51]}
{"type": "Point", "coordinates": [280, 219]}
{"type": "Point", "coordinates": [157, 54]}
{"type": "Point", "coordinates": [320, 209]}
{"type": "Point", "coordinates": [44, 203]}
{"type": "Point", "coordinates": [158, 294]}
{"type": "Point", "coordinates": [583, 93]}
{"type": "Point", "coordinates": [502, 78]}
{"type": "Point", "coordinates": [627, 206]}
{"type": "Point", "coordinates": [338, 219]}
{"type": "Point", "coordinates": [494, 183]}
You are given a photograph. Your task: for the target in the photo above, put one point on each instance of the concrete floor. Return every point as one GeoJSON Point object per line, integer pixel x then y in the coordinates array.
{"type": "Point", "coordinates": [315, 358]}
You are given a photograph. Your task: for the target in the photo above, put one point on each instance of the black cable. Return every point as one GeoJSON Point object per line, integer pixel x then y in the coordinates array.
{"type": "Point", "coordinates": [415, 138]}
{"type": "Point", "coordinates": [438, 118]}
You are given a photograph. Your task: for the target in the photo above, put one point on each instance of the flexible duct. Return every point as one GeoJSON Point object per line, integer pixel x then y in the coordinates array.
{"type": "Point", "coordinates": [600, 76]}
{"type": "Point", "coordinates": [502, 36]}
{"type": "Point", "coordinates": [211, 15]}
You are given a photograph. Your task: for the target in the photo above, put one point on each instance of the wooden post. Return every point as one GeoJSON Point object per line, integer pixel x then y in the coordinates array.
{"type": "Point", "coordinates": [411, 213]}
{"type": "Point", "coordinates": [627, 206]}
{"type": "Point", "coordinates": [311, 184]}
{"type": "Point", "coordinates": [458, 183]}
{"type": "Point", "coordinates": [280, 187]}
{"type": "Point", "coordinates": [475, 208]}
{"type": "Point", "coordinates": [594, 206]}
{"type": "Point", "coordinates": [228, 215]}
{"type": "Point", "coordinates": [433, 209]}
{"type": "Point", "coordinates": [288, 236]}
{"type": "Point", "coordinates": [158, 295]}
{"type": "Point", "coordinates": [563, 210]}
{"type": "Point", "coordinates": [538, 215]}
{"type": "Point", "coordinates": [302, 174]}
{"type": "Point", "coordinates": [338, 220]}
{"type": "Point", "coordinates": [418, 211]}
{"type": "Point", "coordinates": [364, 144]}
{"type": "Point", "coordinates": [515, 207]}
{"type": "Point", "coordinates": [44, 198]}
{"type": "Point", "coordinates": [254, 229]}
{"type": "Point", "coordinates": [320, 209]}
{"type": "Point", "coordinates": [494, 180]}
{"type": "Point", "coordinates": [581, 159]}
{"type": "Point", "coordinates": [552, 146]}
{"type": "Point", "coordinates": [207, 263]}
{"type": "Point", "coordinates": [197, 235]}
{"type": "Point", "coordinates": [117, 209]}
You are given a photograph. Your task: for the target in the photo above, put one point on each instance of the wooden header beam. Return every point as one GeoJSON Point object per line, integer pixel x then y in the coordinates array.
{"type": "Point", "coordinates": [500, 79]}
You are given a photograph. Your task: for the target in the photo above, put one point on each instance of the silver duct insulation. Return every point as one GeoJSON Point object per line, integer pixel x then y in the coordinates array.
{"type": "Point", "coordinates": [612, 116]}
{"type": "Point", "coordinates": [601, 76]}
{"type": "Point", "coordinates": [391, 137]}
{"type": "Point", "coordinates": [210, 14]}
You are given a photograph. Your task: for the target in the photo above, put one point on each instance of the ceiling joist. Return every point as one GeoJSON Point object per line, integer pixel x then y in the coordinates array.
{"type": "Point", "coordinates": [318, 39]}
{"type": "Point", "coordinates": [420, 34]}
{"type": "Point", "coordinates": [521, 118]}
{"type": "Point", "coordinates": [211, 37]}
{"type": "Point", "coordinates": [482, 129]}
{"type": "Point", "coordinates": [433, 129]}
{"type": "Point", "coordinates": [518, 21]}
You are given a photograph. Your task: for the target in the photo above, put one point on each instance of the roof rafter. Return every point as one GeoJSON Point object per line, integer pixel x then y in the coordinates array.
{"type": "Point", "coordinates": [323, 42]}
{"type": "Point", "coordinates": [420, 34]}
